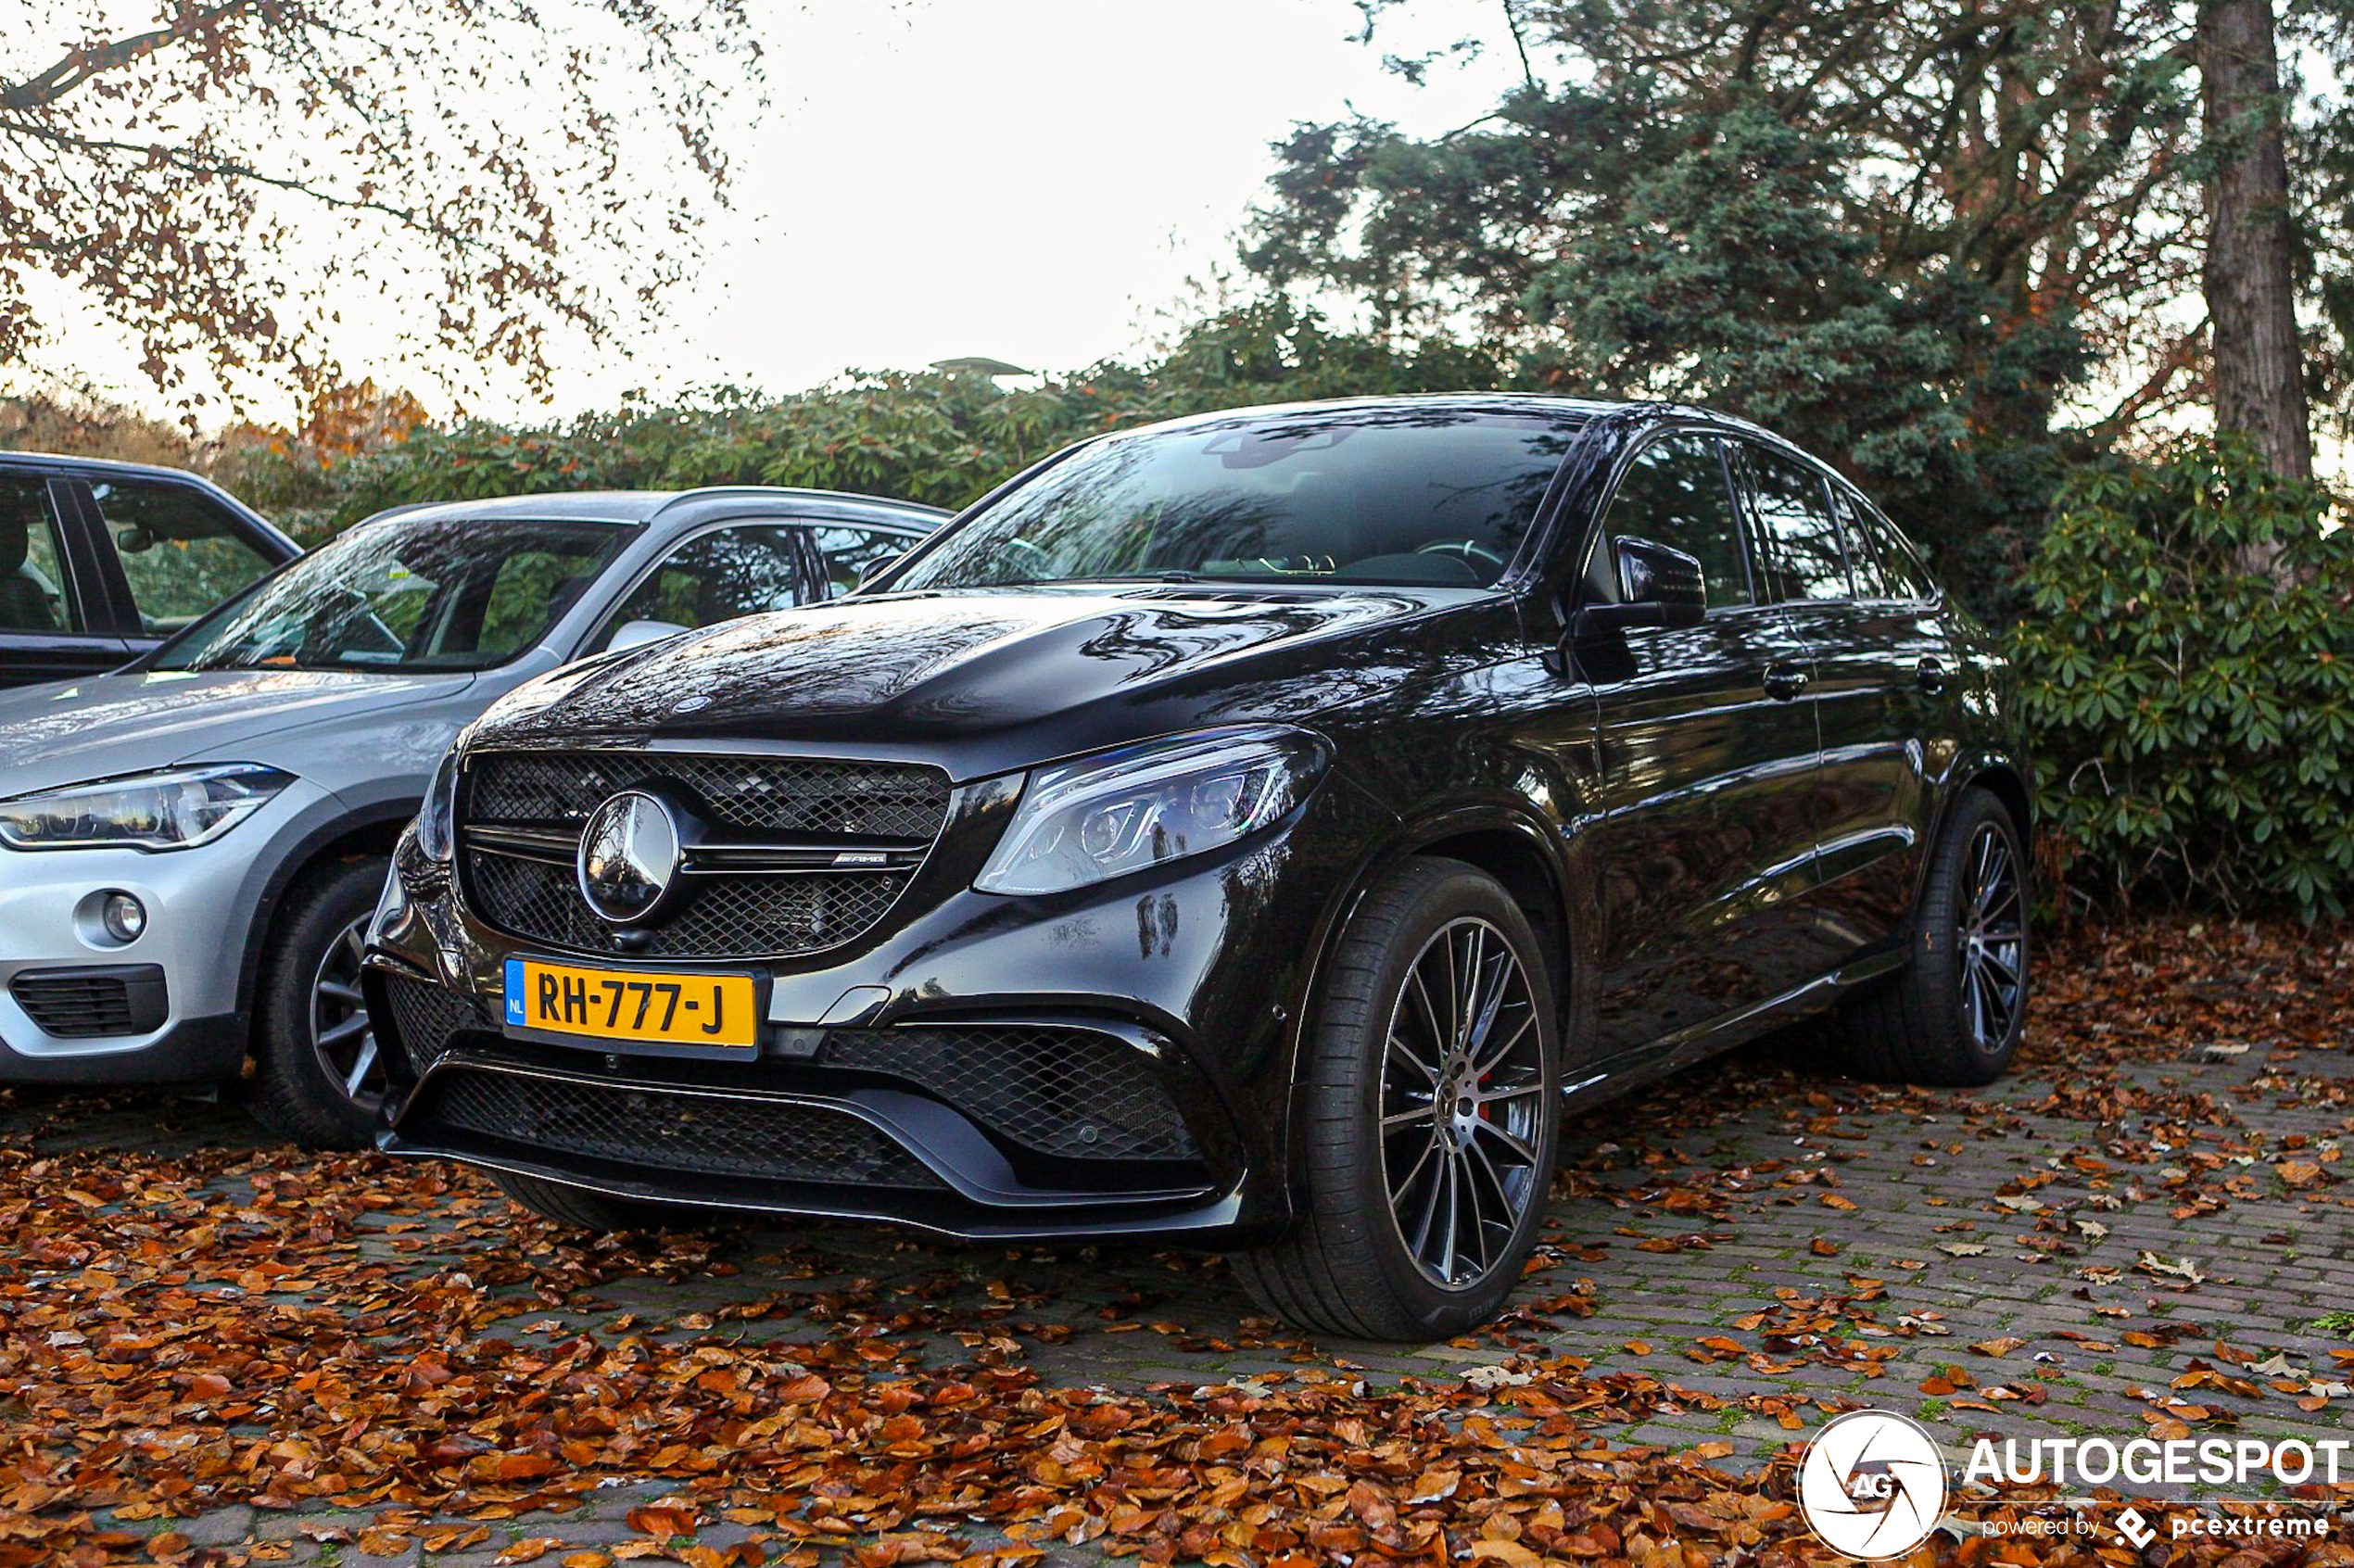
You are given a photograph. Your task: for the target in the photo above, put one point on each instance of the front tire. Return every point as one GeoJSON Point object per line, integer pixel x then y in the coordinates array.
{"type": "Point", "coordinates": [1954, 1014]}
{"type": "Point", "coordinates": [1432, 1114]}
{"type": "Point", "coordinates": [316, 1081]}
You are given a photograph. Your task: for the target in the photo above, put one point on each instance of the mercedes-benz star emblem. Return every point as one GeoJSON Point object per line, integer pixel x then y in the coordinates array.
{"type": "Point", "coordinates": [629, 857]}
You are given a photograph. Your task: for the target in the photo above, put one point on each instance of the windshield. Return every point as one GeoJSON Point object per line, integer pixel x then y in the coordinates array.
{"type": "Point", "coordinates": [404, 596]}
{"type": "Point", "coordinates": [1432, 495]}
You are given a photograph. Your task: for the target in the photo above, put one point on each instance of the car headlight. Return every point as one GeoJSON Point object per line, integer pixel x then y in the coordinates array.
{"type": "Point", "coordinates": [1123, 810]}
{"type": "Point", "coordinates": [176, 809]}
{"type": "Point", "coordinates": [437, 817]}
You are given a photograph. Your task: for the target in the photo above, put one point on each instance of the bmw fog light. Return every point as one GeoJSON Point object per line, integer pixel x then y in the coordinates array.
{"type": "Point", "coordinates": [123, 916]}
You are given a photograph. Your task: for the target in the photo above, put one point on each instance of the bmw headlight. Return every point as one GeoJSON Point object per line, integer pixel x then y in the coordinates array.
{"type": "Point", "coordinates": [1118, 812]}
{"type": "Point", "coordinates": [176, 809]}
{"type": "Point", "coordinates": [437, 818]}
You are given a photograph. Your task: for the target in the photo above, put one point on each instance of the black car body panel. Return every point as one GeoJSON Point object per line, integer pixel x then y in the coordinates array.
{"type": "Point", "coordinates": [1712, 828]}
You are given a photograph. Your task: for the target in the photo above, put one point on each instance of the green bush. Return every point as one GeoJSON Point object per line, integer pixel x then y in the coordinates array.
{"type": "Point", "coordinates": [2187, 679]}
{"type": "Point", "coordinates": [929, 436]}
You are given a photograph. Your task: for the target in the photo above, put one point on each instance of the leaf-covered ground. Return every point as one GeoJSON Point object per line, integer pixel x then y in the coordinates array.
{"type": "Point", "coordinates": [212, 1351]}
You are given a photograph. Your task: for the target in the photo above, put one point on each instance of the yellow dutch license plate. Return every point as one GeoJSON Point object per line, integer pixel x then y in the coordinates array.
{"type": "Point", "coordinates": [633, 1007]}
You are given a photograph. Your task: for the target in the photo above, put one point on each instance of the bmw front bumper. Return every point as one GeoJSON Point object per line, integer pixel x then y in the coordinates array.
{"type": "Point", "coordinates": [77, 1006]}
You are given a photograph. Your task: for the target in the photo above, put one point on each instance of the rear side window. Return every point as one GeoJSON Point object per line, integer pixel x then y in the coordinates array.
{"type": "Point", "coordinates": [1896, 571]}
{"type": "Point", "coordinates": [1674, 494]}
{"type": "Point", "coordinates": [33, 596]}
{"type": "Point", "coordinates": [1797, 537]}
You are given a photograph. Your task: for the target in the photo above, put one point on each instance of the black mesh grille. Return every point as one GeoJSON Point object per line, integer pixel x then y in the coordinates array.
{"type": "Point", "coordinates": [74, 1006]}
{"type": "Point", "coordinates": [729, 917]}
{"type": "Point", "coordinates": [735, 914]}
{"type": "Point", "coordinates": [1069, 1092]}
{"type": "Point", "coordinates": [770, 794]}
{"type": "Point", "coordinates": [670, 1129]}
{"type": "Point", "coordinates": [425, 1019]}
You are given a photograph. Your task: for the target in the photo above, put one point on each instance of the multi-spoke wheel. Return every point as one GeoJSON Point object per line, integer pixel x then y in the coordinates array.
{"type": "Point", "coordinates": [317, 1079]}
{"type": "Point", "coordinates": [1462, 1076]}
{"type": "Point", "coordinates": [1954, 1013]}
{"type": "Point", "coordinates": [1994, 938]}
{"type": "Point", "coordinates": [1431, 1112]}
{"type": "Point", "coordinates": [341, 1036]}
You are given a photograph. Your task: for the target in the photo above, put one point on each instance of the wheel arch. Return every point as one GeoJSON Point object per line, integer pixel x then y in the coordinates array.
{"type": "Point", "coordinates": [2000, 774]}
{"type": "Point", "coordinates": [370, 832]}
{"type": "Point", "coordinates": [1522, 854]}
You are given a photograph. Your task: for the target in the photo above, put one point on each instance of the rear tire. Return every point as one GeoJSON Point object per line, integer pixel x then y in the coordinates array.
{"type": "Point", "coordinates": [316, 1079]}
{"type": "Point", "coordinates": [1954, 1015]}
{"type": "Point", "coordinates": [584, 1211]}
{"type": "Point", "coordinates": [1420, 1113]}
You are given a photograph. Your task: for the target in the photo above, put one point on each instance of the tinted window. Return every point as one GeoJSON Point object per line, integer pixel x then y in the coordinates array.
{"type": "Point", "coordinates": [717, 577]}
{"type": "Point", "coordinates": [1797, 535]}
{"type": "Point", "coordinates": [1674, 494]}
{"type": "Point", "coordinates": [446, 594]}
{"type": "Point", "coordinates": [1865, 560]}
{"type": "Point", "coordinates": [1435, 496]}
{"type": "Point", "coordinates": [849, 551]}
{"type": "Point", "coordinates": [33, 573]}
{"type": "Point", "coordinates": [182, 553]}
{"type": "Point", "coordinates": [1898, 568]}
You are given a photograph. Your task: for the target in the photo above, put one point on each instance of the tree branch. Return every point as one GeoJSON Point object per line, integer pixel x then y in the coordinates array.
{"type": "Point", "coordinates": [80, 66]}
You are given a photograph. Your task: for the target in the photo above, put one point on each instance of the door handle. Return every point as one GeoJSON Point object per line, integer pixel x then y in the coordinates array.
{"type": "Point", "coordinates": [1933, 677]}
{"type": "Point", "coordinates": [1784, 681]}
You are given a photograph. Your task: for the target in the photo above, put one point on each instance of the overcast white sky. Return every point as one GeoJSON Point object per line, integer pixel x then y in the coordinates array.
{"type": "Point", "coordinates": [1031, 180]}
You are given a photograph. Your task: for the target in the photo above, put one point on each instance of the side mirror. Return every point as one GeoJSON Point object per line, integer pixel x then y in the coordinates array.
{"type": "Point", "coordinates": [869, 570]}
{"type": "Point", "coordinates": [1659, 587]}
{"type": "Point", "coordinates": [637, 633]}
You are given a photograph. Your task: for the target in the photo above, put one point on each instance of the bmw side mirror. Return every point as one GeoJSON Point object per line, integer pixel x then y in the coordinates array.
{"type": "Point", "coordinates": [1659, 587]}
{"type": "Point", "coordinates": [637, 633]}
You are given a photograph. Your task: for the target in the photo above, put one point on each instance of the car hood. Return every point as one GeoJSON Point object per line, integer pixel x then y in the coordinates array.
{"type": "Point", "coordinates": [988, 682]}
{"type": "Point", "coordinates": [131, 721]}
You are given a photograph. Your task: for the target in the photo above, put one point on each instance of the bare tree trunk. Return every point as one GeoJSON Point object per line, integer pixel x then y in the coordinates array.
{"type": "Point", "coordinates": [2259, 379]}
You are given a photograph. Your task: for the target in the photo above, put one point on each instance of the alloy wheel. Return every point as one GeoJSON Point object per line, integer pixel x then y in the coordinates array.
{"type": "Point", "coordinates": [1462, 1104]}
{"type": "Point", "coordinates": [341, 1036]}
{"type": "Point", "coordinates": [1993, 938]}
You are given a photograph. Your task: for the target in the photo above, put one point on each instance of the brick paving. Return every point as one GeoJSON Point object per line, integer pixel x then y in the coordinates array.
{"type": "Point", "coordinates": [1758, 1230]}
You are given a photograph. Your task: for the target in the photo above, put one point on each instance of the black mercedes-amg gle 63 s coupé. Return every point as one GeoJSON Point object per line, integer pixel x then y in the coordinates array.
{"type": "Point", "coordinates": [1256, 831]}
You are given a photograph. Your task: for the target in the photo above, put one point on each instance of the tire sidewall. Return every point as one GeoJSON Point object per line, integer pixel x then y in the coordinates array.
{"type": "Point", "coordinates": [295, 1094]}
{"type": "Point", "coordinates": [1463, 891]}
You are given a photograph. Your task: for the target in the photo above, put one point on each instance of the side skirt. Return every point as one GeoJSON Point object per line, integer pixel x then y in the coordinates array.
{"type": "Point", "coordinates": [1630, 1070]}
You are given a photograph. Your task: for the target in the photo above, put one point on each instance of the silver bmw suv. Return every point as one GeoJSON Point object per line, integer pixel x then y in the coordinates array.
{"type": "Point", "coordinates": [191, 846]}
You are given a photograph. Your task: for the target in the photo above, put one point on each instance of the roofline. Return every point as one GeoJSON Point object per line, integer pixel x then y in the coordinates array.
{"type": "Point", "coordinates": [660, 504]}
{"type": "Point", "coordinates": [798, 492]}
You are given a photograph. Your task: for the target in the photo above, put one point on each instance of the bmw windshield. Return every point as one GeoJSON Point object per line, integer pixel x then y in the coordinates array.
{"type": "Point", "coordinates": [406, 597]}
{"type": "Point", "coordinates": [1443, 496]}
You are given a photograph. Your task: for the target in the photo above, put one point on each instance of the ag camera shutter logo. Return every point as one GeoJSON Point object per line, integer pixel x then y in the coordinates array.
{"type": "Point", "coordinates": [1871, 1485]}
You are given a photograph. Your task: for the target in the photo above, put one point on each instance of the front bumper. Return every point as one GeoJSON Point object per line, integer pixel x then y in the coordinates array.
{"type": "Point", "coordinates": [1114, 1061]}
{"type": "Point", "coordinates": [199, 903]}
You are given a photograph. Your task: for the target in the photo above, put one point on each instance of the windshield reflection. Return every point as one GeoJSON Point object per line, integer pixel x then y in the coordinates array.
{"type": "Point", "coordinates": [407, 597]}
{"type": "Point", "coordinates": [1438, 498]}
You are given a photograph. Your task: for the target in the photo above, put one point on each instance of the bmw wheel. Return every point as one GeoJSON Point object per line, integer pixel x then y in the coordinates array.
{"type": "Point", "coordinates": [1433, 1111]}
{"type": "Point", "coordinates": [317, 1079]}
